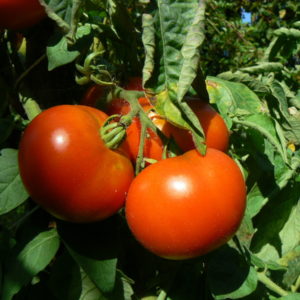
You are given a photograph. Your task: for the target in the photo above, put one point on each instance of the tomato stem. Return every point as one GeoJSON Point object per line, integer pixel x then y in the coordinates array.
{"type": "Point", "coordinates": [271, 285]}
{"type": "Point", "coordinates": [140, 156]}
{"type": "Point", "coordinates": [112, 133]}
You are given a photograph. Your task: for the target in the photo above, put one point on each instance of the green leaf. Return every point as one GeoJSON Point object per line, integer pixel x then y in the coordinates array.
{"type": "Point", "coordinates": [172, 37]}
{"type": "Point", "coordinates": [288, 32]}
{"type": "Point", "coordinates": [59, 52]}
{"type": "Point", "coordinates": [292, 296]}
{"type": "Point", "coordinates": [278, 226]}
{"type": "Point", "coordinates": [166, 31]}
{"type": "Point", "coordinates": [264, 67]}
{"type": "Point", "coordinates": [94, 248]}
{"type": "Point", "coordinates": [229, 276]}
{"type": "Point", "coordinates": [12, 191]}
{"type": "Point", "coordinates": [256, 85]}
{"type": "Point", "coordinates": [255, 201]}
{"type": "Point", "coordinates": [191, 56]}
{"type": "Point", "coordinates": [273, 49]}
{"type": "Point", "coordinates": [232, 98]}
{"type": "Point", "coordinates": [33, 258]}
{"type": "Point", "coordinates": [89, 289]}
{"type": "Point", "coordinates": [59, 11]}
{"type": "Point", "coordinates": [267, 127]}
{"type": "Point", "coordinates": [290, 123]}
{"type": "Point", "coordinates": [293, 271]}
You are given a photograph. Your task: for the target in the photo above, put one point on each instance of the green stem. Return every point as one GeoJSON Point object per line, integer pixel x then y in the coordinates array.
{"type": "Point", "coordinates": [140, 157]}
{"type": "Point", "coordinates": [162, 295]}
{"type": "Point", "coordinates": [271, 285]}
{"type": "Point", "coordinates": [31, 108]}
{"type": "Point", "coordinates": [296, 286]}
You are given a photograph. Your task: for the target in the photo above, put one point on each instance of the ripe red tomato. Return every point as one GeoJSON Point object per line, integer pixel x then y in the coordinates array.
{"type": "Point", "coordinates": [186, 206]}
{"type": "Point", "coordinates": [153, 147]}
{"type": "Point", "coordinates": [19, 14]}
{"type": "Point", "coordinates": [214, 127]}
{"type": "Point", "coordinates": [92, 95]}
{"type": "Point", "coordinates": [134, 84]}
{"type": "Point", "coordinates": [67, 168]}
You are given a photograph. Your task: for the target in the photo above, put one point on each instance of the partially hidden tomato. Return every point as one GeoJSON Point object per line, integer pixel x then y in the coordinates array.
{"type": "Point", "coordinates": [68, 170]}
{"type": "Point", "coordinates": [214, 128]}
{"type": "Point", "coordinates": [92, 95]}
{"type": "Point", "coordinates": [20, 14]}
{"type": "Point", "coordinates": [153, 145]}
{"type": "Point", "coordinates": [183, 207]}
{"type": "Point", "coordinates": [134, 84]}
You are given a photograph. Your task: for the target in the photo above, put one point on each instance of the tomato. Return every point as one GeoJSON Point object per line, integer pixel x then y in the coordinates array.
{"type": "Point", "coordinates": [68, 170]}
{"type": "Point", "coordinates": [186, 206]}
{"type": "Point", "coordinates": [19, 14]}
{"type": "Point", "coordinates": [92, 95]}
{"type": "Point", "coordinates": [214, 127]}
{"type": "Point", "coordinates": [153, 147]}
{"type": "Point", "coordinates": [134, 84]}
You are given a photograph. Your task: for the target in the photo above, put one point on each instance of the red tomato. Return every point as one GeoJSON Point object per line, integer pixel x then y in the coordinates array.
{"type": "Point", "coordinates": [19, 14]}
{"type": "Point", "coordinates": [134, 84]}
{"type": "Point", "coordinates": [186, 206]}
{"type": "Point", "coordinates": [153, 147]}
{"type": "Point", "coordinates": [67, 168]}
{"type": "Point", "coordinates": [214, 127]}
{"type": "Point", "coordinates": [92, 95]}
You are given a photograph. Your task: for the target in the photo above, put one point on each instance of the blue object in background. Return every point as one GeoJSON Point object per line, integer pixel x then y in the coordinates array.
{"type": "Point", "coordinates": [246, 16]}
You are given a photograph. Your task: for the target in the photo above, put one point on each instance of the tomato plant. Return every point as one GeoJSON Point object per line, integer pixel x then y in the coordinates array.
{"type": "Point", "coordinates": [19, 14]}
{"type": "Point", "coordinates": [68, 170]}
{"type": "Point", "coordinates": [186, 206]}
{"type": "Point", "coordinates": [200, 53]}
{"type": "Point", "coordinates": [153, 147]}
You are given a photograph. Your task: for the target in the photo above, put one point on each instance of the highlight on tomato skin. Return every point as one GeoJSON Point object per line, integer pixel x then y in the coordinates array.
{"type": "Point", "coordinates": [186, 206]}
{"type": "Point", "coordinates": [20, 14]}
{"type": "Point", "coordinates": [67, 169]}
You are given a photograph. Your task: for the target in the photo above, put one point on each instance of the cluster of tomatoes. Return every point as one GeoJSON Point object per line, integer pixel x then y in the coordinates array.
{"type": "Point", "coordinates": [178, 207]}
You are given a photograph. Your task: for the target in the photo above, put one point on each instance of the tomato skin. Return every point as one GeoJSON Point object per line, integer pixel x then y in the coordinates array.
{"type": "Point", "coordinates": [186, 206]}
{"type": "Point", "coordinates": [92, 95]}
{"type": "Point", "coordinates": [153, 145]}
{"type": "Point", "coordinates": [19, 14]}
{"type": "Point", "coordinates": [213, 125]}
{"type": "Point", "coordinates": [68, 170]}
{"type": "Point", "coordinates": [134, 84]}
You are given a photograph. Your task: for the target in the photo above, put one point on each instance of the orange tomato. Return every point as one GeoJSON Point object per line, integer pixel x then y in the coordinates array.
{"type": "Point", "coordinates": [214, 127]}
